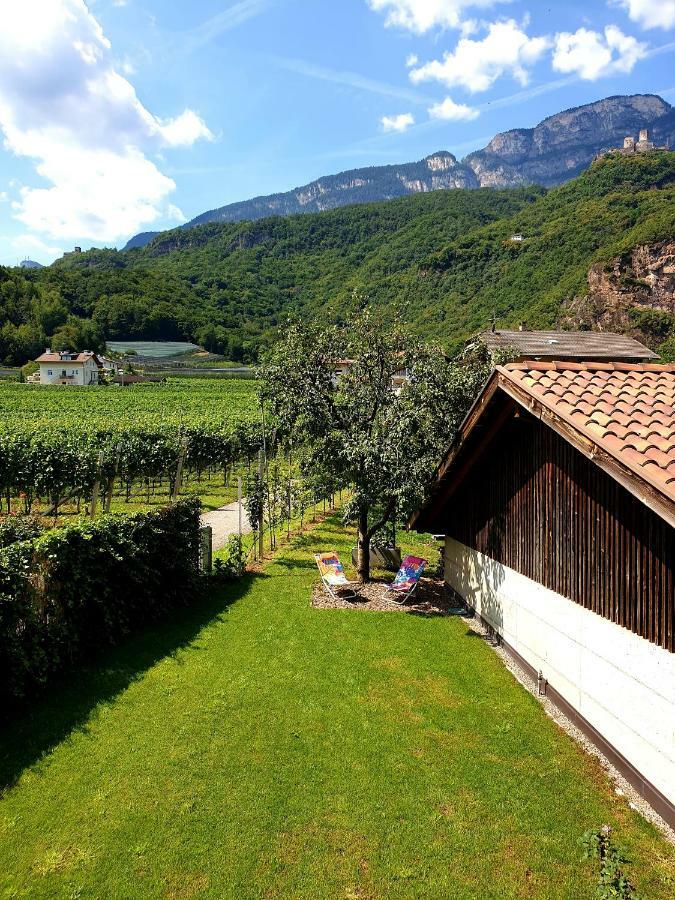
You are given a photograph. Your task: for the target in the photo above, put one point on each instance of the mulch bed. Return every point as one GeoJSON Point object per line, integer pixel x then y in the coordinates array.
{"type": "Point", "coordinates": [432, 598]}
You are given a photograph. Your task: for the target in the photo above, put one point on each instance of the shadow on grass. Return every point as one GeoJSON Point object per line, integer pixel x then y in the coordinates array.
{"type": "Point", "coordinates": [289, 562]}
{"type": "Point", "coordinates": [69, 701]}
{"type": "Point", "coordinates": [307, 539]}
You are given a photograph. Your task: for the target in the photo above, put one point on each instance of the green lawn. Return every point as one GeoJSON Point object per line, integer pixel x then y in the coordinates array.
{"type": "Point", "coordinates": [255, 747]}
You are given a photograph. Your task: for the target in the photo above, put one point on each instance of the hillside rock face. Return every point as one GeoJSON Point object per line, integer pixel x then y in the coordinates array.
{"type": "Point", "coordinates": [558, 149]}
{"type": "Point", "coordinates": [437, 172]}
{"type": "Point", "coordinates": [643, 279]}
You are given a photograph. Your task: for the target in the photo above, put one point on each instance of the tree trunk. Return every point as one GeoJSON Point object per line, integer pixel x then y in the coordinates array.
{"type": "Point", "coordinates": [363, 558]}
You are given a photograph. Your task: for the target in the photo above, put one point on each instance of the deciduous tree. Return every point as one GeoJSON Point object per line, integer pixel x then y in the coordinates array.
{"type": "Point", "coordinates": [363, 427]}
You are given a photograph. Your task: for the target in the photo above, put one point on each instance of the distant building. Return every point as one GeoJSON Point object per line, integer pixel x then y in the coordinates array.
{"type": "Point", "coordinates": [342, 367]}
{"type": "Point", "coordinates": [398, 379]}
{"type": "Point", "coordinates": [598, 346]}
{"type": "Point", "coordinates": [632, 146]}
{"type": "Point", "coordinates": [517, 238]}
{"type": "Point", "coordinates": [65, 367]}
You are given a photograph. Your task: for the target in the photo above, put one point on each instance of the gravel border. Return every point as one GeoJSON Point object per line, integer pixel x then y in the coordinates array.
{"type": "Point", "coordinates": [431, 598]}
{"type": "Point", "coordinates": [621, 787]}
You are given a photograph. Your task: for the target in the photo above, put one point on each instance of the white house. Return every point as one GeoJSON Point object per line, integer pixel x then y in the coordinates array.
{"type": "Point", "coordinates": [66, 367]}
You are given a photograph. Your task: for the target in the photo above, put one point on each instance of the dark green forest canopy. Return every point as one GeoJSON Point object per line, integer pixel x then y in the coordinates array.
{"type": "Point", "coordinates": [444, 260]}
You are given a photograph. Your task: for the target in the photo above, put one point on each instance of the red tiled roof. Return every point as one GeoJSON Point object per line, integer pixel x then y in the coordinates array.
{"type": "Point", "coordinates": [627, 410]}
{"type": "Point", "coordinates": [58, 357]}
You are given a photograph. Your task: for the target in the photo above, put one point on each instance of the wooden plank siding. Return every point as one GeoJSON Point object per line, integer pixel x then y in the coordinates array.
{"type": "Point", "coordinates": [536, 504]}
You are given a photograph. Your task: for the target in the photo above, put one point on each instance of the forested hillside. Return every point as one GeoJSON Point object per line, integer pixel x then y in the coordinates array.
{"type": "Point", "coordinates": [445, 259]}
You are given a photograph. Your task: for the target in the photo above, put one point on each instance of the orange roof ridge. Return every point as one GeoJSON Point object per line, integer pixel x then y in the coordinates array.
{"type": "Point", "coordinates": [562, 365]}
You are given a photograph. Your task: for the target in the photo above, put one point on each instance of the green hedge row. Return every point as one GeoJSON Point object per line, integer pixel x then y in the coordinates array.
{"type": "Point", "coordinates": [18, 528]}
{"type": "Point", "coordinates": [68, 595]}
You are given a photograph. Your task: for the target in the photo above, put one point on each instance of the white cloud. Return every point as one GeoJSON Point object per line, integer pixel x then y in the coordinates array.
{"type": "Point", "coordinates": [398, 123]}
{"type": "Point", "coordinates": [184, 130]}
{"type": "Point", "coordinates": [31, 245]}
{"type": "Point", "coordinates": [453, 112]}
{"type": "Point", "coordinates": [505, 50]}
{"type": "Point", "coordinates": [592, 55]}
{"type": "Point", "coordinates": [173, 212]}
{"type": "Point", "coordinates": [80, 120]}
{"type": "Point", "coordinates": [650, 13]}
{"type": "Point", "coordinates": [127, 66]}
{"type": "Point", "coordinates": [411, 60]}
{"type": "Point", "coordinates": [420, 16]}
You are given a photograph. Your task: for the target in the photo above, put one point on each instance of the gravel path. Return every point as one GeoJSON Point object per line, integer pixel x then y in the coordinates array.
{"type": "Point", "coordinates": [225, 522]}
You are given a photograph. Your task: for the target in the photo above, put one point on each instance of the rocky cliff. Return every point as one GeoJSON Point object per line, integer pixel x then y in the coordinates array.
{"type": "Point", "coordinates": [436, 172]}
{"type": "Point", "coordinates": [558, 149]}
{"type": "Point", "coordinates": [635, 293]}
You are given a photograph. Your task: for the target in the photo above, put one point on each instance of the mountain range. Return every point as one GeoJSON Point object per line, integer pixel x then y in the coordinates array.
{"type": "Point", "coordinates": [553, 152]}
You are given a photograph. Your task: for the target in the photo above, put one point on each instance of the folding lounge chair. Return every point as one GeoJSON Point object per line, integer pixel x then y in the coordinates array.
{"type": "Point", "coordinates": [333, 576]}
{"type": "Point", "coordinates": [407, 579]}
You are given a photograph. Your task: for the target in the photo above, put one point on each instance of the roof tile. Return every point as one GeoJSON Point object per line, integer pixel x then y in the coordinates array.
{"type": "Point", "coordinates": [629, 410]}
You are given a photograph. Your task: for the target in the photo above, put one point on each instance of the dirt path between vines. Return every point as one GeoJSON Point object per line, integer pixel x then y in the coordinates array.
{"type": "Point", "coordinates": [225, 522]}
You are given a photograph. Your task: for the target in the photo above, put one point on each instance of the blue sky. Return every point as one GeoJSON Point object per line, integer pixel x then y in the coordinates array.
{"type": "Point", "coordinates": [128, 115]}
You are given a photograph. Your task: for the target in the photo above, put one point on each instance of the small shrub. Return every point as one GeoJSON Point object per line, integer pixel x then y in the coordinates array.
{"type": "Point", "coordinates": [667, 350]}
{"type": "Point", "coordinates": [657, 324]}
{"type": "Point", "coordinates": [18, 528]}
{"type": "Point", "coordinates": [612, 881]}
{"type": "Point", "coordinates": [234, 565]}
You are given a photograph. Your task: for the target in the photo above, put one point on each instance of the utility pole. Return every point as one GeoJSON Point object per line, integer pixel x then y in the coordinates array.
{"type": "Point", "coordinates": [239, 502]}
{"type": "Point", "coordinates": [97, 485]}
{"type": "Point", "coordinates": [179, 469]}
{"type": "Point", "coordinates": [111, 486]}
{"type": "Point", "coordinates": [261, 522]}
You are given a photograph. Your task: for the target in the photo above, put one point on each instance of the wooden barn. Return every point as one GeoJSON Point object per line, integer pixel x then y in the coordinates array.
{"type": "Point", "coordinates": [557, 501]}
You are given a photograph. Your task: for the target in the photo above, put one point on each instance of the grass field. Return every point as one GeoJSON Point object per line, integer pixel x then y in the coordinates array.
{"type": "Point", "coordinates": [256, 747]}
{"type": "Point", "coordinates": [189, 401]}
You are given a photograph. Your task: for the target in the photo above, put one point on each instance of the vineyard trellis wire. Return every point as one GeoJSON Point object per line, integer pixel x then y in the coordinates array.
{"type": "Point", "coordinates": [65, 466]}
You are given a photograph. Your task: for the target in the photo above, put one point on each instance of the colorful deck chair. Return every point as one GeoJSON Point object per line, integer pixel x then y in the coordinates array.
{"type": "Point", "coordinates": [407, 578]}
{"type": "Point", "coordinates": [333, 576]}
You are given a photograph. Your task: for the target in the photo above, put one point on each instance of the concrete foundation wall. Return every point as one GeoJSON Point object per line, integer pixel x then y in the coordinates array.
{"type": "Point", "coordinates": [622, 684]}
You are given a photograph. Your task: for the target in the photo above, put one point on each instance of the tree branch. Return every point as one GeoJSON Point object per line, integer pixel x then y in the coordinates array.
{"type": "Point", "coordinates": [391, 506]}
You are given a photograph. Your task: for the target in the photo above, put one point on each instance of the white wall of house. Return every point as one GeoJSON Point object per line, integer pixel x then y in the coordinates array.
{"type": "Point", "coordinates": [619, 682]}
{"type": "Point", "coordinates": [77, 373]}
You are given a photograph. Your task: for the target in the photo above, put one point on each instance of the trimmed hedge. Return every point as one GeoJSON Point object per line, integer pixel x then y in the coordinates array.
{"type": "Point", "coordinates": [68, 595]}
